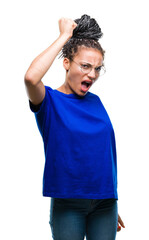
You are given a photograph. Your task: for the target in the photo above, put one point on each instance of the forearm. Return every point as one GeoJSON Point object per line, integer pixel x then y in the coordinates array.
{"type": "Point", "coordinates": [42, 62]}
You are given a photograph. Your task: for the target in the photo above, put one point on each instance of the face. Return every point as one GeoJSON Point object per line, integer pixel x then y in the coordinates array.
{"type": "Point", "coordinates": [77, 81]}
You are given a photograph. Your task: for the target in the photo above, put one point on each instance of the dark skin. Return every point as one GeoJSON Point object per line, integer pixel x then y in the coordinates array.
{"type": "Point", "coordinates": [74, 77]}
{"type": "Point", "coordinates": [41, 64]}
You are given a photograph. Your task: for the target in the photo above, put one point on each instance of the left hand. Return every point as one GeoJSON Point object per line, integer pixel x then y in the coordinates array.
{"type": "Point", "coordinates": [120, 223]}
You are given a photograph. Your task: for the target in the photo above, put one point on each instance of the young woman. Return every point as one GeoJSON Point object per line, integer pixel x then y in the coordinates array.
{"type": "Point", "coordinates": [80, 173]}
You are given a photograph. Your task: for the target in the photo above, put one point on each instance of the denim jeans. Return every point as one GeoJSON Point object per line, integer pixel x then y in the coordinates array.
{"type": "Point", "coordinates": [75, 219]}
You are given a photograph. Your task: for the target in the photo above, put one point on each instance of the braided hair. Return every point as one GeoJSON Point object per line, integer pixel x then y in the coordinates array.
{"type": "Point", "coordinates": [87, 33]}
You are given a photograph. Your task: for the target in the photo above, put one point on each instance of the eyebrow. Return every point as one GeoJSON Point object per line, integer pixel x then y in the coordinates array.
{"type": "Point", "coordinates": [92, 65]}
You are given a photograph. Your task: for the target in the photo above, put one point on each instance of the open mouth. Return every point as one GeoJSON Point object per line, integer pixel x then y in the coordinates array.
{"type": "Point", "coordinates": [85, 85]}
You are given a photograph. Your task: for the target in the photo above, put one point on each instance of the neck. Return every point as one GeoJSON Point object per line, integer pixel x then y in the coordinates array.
{"type": "Point", "coordinates": [65, 88]}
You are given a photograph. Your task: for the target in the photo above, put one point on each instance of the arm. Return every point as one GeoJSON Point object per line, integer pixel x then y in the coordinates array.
{"type": "Point", "coordinates": [41, 64]}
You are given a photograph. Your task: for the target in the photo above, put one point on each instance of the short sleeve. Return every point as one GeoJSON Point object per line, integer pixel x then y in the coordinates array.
{"type": "Point", "coordinates": [42, 112]}
{"type": "Point", "coordinates": [34, 108]}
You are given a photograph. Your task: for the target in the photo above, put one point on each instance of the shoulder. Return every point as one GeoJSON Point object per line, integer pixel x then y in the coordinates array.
{"type": "Point", "coordinates": [48, 89]}
{"type": "Point", "coordinates": [93, 96]}
{"type": "Point", "coordinates": [36, 107]}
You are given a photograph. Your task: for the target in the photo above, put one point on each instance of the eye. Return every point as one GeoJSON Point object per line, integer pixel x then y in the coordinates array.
{"type": "Point", "coordinates": [98, 69]}
{"type": "Point", "coordinates": [85, 66]}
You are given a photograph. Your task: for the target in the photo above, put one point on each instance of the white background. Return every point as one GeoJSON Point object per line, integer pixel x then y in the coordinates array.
{"type": "Point", "coordinates": [27, 28]}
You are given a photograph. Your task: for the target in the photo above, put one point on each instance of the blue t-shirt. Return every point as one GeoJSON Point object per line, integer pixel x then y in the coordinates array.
{"type": "Point", "coordinates": [79, 146]}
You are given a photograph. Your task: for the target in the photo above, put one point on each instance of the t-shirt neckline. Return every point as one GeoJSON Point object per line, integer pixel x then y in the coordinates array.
{"type": "Point", "coordinates": [70, 95]}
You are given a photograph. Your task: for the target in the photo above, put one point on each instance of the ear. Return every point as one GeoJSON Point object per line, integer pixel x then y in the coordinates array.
{"type": "Point", "coordinates": [66, 64]}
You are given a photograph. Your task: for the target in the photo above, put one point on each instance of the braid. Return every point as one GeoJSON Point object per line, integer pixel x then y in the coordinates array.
{"type": "Point", "coordinates": [85, 34]}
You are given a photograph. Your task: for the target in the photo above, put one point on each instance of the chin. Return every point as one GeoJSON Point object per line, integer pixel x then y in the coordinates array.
{"type": "Point", "coordinates": [81, 94]}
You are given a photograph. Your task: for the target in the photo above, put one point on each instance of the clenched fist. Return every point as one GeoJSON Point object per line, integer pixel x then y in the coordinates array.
{"type": "Point", "coordinates": [66, 26]}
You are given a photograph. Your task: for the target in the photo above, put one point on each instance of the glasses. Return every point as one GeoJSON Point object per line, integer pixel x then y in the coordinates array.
{"type": "Point", "coordinates": [87, 68]}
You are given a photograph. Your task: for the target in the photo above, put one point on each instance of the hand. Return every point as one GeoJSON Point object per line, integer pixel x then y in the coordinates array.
{"type": "Point", "coordinates": [120, 223]}
{"type": "Point", "coordinates": [66, 26]}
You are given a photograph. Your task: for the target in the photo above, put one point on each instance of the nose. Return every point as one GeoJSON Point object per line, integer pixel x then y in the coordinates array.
{"type": "Point", "coordinates": [92, 74]}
